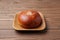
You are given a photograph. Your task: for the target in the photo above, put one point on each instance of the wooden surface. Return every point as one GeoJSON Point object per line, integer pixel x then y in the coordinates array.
{"type": "Point", "coordinates": [49, 8]}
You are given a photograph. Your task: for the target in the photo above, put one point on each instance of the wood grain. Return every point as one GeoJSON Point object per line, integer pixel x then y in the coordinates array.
{"type": "Point", "coordinates": [49, 8]}
{"type": "Point", "coordinates": [13, 35]}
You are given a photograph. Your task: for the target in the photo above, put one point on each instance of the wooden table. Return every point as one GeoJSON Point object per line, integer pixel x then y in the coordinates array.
{"type": "Point", "coordinates": [49, 8]}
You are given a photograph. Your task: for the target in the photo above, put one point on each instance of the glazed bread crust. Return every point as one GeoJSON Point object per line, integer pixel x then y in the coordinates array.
{"type": "Point", "coordinates": [29, 19]}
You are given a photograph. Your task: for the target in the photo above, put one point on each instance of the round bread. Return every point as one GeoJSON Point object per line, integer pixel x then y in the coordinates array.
{"type": "Point", "coordinates": [29, 19]}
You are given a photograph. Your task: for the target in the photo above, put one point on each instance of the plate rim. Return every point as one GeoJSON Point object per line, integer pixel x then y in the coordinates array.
{"type": "Point", "coordinates": [29, 29]}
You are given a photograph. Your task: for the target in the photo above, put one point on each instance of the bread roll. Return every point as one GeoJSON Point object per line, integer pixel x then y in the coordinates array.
{"type": "Point", "coordinates": [29, 19]}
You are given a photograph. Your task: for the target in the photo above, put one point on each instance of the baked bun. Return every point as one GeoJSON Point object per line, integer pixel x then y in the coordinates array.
{"type": "Point", "coordinates": [29, 19]}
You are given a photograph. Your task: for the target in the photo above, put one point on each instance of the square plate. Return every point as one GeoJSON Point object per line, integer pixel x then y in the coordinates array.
{"type": "Point", "coordinates": [16, 25]}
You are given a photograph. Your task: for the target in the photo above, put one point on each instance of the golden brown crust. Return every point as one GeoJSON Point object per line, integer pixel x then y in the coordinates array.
{"type": "Point", "coordinates": [29, 19]}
